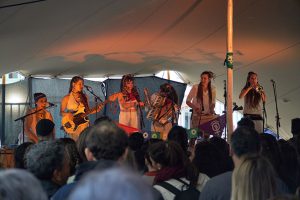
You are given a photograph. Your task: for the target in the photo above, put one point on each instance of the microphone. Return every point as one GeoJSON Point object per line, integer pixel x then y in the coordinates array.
{"type": "Point", "coordinates": [88, 87]}
{"type": "Point", "coordinates": [272, 81]}
{"type": "Point", "coordinates": [51, 104]}
{"type": "Point", "coordinates": [236, 107]}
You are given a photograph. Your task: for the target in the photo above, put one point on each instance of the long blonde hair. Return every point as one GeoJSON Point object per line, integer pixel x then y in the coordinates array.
{"type": "Point", "coordinates": [253, 179]}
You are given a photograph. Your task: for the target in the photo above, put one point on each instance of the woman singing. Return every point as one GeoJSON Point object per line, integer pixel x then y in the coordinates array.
{"type": "Point", "coordinates": [254, 96]}
{"type": "Point", "coordinates": [130, 103]}
{"type": "Point", "coordinates": [202, 99]}
{"type": "Point", "coordinates": [31, 121]}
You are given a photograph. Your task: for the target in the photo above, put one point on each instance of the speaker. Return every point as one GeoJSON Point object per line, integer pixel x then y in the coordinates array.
{"type": "Point", "coordinates": [296, 126]}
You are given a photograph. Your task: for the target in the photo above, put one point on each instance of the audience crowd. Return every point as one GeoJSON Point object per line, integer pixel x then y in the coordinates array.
{"type": "Point", "coordinates": [105, 163]}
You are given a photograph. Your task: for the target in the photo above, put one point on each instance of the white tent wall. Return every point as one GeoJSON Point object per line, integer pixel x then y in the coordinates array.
{"type": "Point", "coordinates": [17, 101]}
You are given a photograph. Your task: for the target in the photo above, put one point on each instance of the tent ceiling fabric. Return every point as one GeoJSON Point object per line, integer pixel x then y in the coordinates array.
{"type": "Point", "coordinates": [113, 37]}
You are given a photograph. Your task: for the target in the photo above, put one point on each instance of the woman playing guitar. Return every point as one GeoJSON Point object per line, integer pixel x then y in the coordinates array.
{"type": "Point", "coordinates": [74, 108]}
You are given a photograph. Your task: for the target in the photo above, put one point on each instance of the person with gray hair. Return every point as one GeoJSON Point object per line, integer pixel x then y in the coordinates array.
{"type": "Point", "coordinates": [105, 146]}
{"type": "Point", "coordinates": [50, 163]}
{"type": "Point", "coordinates": [106, 141]}
{"type": "Point", "coordinates": [112, 184]}
{"type": "Point", "coordinates": [17, 184]}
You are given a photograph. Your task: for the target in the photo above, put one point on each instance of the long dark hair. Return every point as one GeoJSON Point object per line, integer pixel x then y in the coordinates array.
{"type": "Point", "coordinates": [252, 98]}
{"type": "Point", "coordinates": [168, 90]}
{"type": "Point", "coordinates": [75, 79]}
{"type": "Point", "coordinates": [200, 90]}
{"type": "Point", "coordinates": [126, 78]}
{"type": "Point", "coordinates": [170, 154]}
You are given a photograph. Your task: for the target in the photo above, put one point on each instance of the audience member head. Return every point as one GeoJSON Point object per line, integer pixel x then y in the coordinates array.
{"type": "Point", "coordinates": [48, 160]}
{"type": "Point", "coordinates": [136, 155]}
{"type": "Point", "coordinates": [208, 159]}
{"type": "Point", "coordinates": [16, 184]}
{"type": "Point", "coordinates": [285, 197]}
{"type": "Point", "coordinates": [44, 129]}
{"type": "Point", "coordinates": [220, 144]}
{"type": "Point", "coordinates": [290, 166]}
{"type": "Point", "coordinates": [224, 149]}
{"type": "Point", "coordinates": [246, 121]}
{"type": "Point", "coordinates": [112, 184]}
{"type": "Point", "coordinates": [145, 148]}
{"type": "Point", "coordinates": [244, 141]}
{"type": "Point", "coordinates": [135, 141]}
{"type": "Point", "coordinates": [270, 150]}
{"type": "Point", "coordinates": [106, 141]}
{"type": "Point", "coordinates": [136, 160]}
{"type": "Point", "coordinates": [81, 143]}
{"type": "Point", "coordinates": [102, 119]}
{"type": "Point", "coordinates": [253, 179]}
{"type": "Point", "coordinates": [179, 134]}
{"type": "Point", "coordinates": [19, 154]}
{"type": "Point", "coordinates": [169, 156]}
{"type": "Point", "coordinates": [71, 149]}
{"type": "Point", "coordinates": [296, 126]}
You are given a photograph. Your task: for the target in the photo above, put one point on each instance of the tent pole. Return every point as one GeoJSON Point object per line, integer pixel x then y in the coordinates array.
{"type": "Point", "coordinates": [229, 62]}
{"type": "Point", "coordinates": [3, 112]}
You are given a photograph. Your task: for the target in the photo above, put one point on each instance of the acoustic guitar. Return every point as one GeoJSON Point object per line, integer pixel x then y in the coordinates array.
{"type": "Point", "coordinates": [80, 116]}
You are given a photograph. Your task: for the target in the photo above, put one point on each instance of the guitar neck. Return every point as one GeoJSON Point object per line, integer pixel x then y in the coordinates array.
{"type": "Point", "coordinates": [95, 108]}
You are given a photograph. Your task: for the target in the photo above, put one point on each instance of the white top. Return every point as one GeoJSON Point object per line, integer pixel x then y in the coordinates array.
{"type": "Point", "coordinates": [72, 104]}
{"type": "Point", "coordinates": [167, 195]}
{"type": "Point", "coordinates": [192, 97]}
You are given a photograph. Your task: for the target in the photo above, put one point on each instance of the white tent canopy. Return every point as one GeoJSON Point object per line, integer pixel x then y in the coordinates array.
{"type": "Point", "coordinates": [113, 37]}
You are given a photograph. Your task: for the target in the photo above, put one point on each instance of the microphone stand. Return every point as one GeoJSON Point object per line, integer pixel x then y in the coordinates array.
{"type": "Point", "coordinates": [104, 92]}
{"type": "Point", "coordinates": [96, 99]}
{"type": "Point", "coordinates": [142, 123]}
{"type": "Point", "coordinates": [264, 116]}
{"type": "Point", "coordinates": [225, 107]}
{"type": "Point", "coordinates": [277, 114]}
{"type": "Point", "coordinates": [27, 115]}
